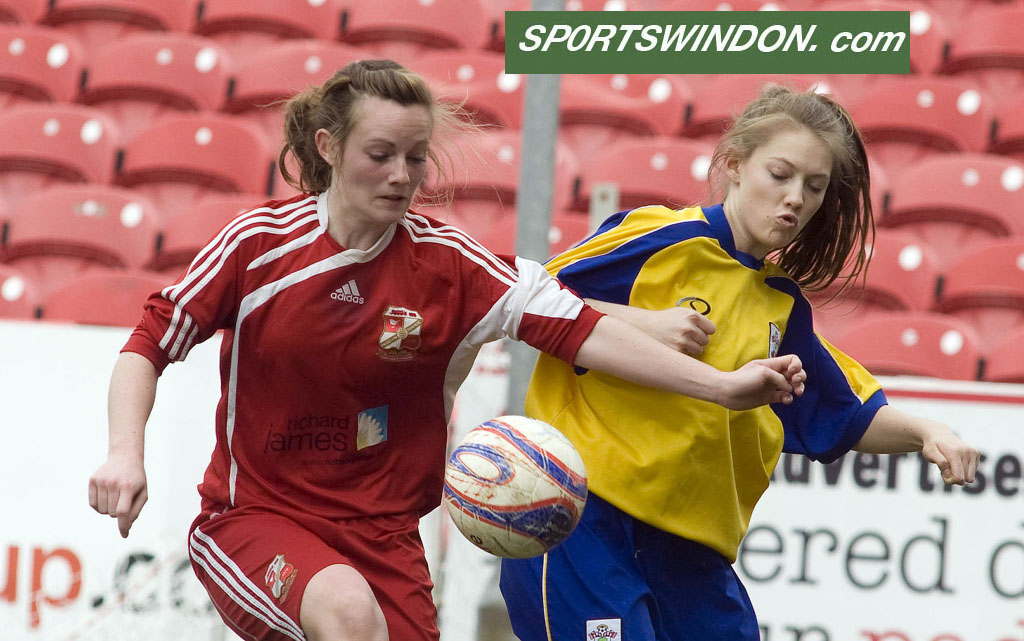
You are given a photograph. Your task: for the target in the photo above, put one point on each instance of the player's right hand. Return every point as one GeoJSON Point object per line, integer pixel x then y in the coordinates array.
{"type": "Point", "coordinates": [764, 381]}
{"type": "Point", "coordinates": [118, 488]}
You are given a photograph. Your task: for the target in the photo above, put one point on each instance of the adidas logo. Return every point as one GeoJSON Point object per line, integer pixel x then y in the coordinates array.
{"type": "Point", "coordinates": [348, 293]}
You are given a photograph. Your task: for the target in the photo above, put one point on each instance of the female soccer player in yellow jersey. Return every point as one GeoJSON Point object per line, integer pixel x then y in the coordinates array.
{"type": "Point", "coordinates": [674, 480]}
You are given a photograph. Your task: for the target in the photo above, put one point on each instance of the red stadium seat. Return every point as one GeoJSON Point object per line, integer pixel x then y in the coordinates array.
{"type": "Point", "coordinates": [139, 78]}
{"type": "Point", "coordinates": [103, 297]}
{"type": "Point", "coordinates": [19, 297]}
{"type": "Point", "coordinates": [485, 178]}
{"type": "Point", "coordinates": [649, 171]}
{"type": "Point", "coordinates": [1004, 362]}
{"type": "Point", "coordinates": [988, 47]}
{"type": "Point", "coordinates": [905, 120]}
{"type": "Point", "coordinates": [955, 201]}
{"type": "Point", "coordinates": [183, 236]}
{"type": "Point", "coordinates": [66, 229]}
{"type": "Point", "coordinates": [723, 97]}
{"type": "Point", "coordinates": [566, 230]}
{"type": "Point", "coordinates": [916, 344]}
{"type": "Point", "coordinates": [477, 80]}
{"type": "Point", "coordinates": [598, 109]}
{"type": "Point", "coordinates": [44, 144]}
{"type": "Point", "coordinates": [97, 23]}
{"type": "Point", "coordinates": [38, 64]}
{"type": "Point", "coordinates": [184, 156]}
{"type": "Point", "coordinates": [1008, 130]}
{"type": "Point", "coordinates": [401, 29]}
{"type": "Point", "coordinates": [244, 27]}
{"type": "Point", "coordinates": [985, 287]}
{"type": "Point", "coordinates": [902, 276]}
{"type": "Point", "coordinates": [929, 32]}
{"type": "Point", "coordinates": [22, 11]}
{"type": "Point", "coordinates": [956, 11]}
{"type": "Point", "coordinates": [276, 72]}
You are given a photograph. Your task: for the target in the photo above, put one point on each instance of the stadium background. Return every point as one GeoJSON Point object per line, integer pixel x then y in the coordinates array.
{"type": "Point", "coordinates": [131, 130]}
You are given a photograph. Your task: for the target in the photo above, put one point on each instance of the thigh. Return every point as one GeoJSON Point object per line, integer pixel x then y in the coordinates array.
{"type": "Point", "coordinates": [590, 588]}
{"type": "Point", "coordinates": [255, 567]}
{"type": "Point", "coordinates": [389, 554]}
{"type": "Point", "coordinates": [697, 593]}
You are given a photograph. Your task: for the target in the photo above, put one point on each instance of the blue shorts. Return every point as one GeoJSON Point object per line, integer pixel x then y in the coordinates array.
{"type": "Point", "coordinates": [621, 579]}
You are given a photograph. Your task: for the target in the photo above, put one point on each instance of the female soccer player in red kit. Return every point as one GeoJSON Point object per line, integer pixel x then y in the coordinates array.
{"type": "Point", "coordinates": [350, 322]}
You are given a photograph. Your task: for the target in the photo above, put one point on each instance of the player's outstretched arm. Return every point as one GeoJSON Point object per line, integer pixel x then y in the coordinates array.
{"type": "Point", "coordinates": [118, 487]}
{"type": "Point", "coordinates": [622, 350]}
{"type": "Point", "coordinates": [681, 328]}
{"type": "Point", "coordinates": [893, 431]}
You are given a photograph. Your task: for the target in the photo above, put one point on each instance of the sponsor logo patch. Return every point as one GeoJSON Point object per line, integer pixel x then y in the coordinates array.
{"type": "Point", "coordinates": [401, 336]}
{"type": "Point", "coordinates": [373, 427]}
{"type": "Point", "coordinates": [604, 629]}
{"type": "Point", "coordinates": [698, 305]}
{"type": "Point", "coordinates": [279, 578]}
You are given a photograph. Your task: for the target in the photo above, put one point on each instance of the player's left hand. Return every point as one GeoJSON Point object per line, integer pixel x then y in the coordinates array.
{"type": "Point", "coordinates": [957, 461]}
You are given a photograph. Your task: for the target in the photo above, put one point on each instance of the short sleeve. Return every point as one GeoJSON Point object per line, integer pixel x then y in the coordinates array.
{"type": "Point", "coordinates": [840, 398]}
{"type": "Point", "coordinates": [188, 312]}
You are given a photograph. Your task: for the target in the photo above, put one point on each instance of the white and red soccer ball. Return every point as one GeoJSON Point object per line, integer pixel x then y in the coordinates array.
{"type": "Point", "coordinates": [515, 486]}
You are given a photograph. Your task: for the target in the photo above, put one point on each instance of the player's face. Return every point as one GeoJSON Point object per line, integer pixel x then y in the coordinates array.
{"type": "Point", "coordinates": [382, 164]}
{"type": "Point", "coordinates": [775, 192]}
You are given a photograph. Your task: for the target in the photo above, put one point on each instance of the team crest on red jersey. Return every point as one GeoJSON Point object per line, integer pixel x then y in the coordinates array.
{"type": "Point", "coordinates": [279, 578]}
{"type": "Point", "coordinates": [401, 336]}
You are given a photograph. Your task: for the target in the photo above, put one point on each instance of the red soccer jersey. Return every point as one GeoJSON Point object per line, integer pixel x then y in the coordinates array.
{"type": "Point", "coordinates": [339, 367]}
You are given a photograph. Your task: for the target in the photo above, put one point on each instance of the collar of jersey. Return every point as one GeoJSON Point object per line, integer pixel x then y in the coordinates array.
{"type": "Point", "coordinates": [357, 255]}
{"type": "Point", "coordinates": [715, 216]}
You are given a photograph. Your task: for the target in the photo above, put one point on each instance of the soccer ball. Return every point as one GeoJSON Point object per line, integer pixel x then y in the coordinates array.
{"type": "Point", "coordinates": [515, 487]}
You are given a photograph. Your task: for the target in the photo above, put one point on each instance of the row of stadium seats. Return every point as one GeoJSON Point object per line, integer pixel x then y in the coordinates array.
{"type": "Point", "coordinates": [139, 78]}
{"type": "Point", "coordinates": [983, 287]}
{"type": "Point", "coordinates": [951, 199]}
{"type": "Point", "coordinates": [405, 27]}
{"type": "Point", "coordinates": [929, 344]}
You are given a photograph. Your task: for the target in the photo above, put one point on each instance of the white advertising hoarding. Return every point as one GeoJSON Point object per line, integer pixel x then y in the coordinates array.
{"type": "Point", "coordinates": [877, 548]}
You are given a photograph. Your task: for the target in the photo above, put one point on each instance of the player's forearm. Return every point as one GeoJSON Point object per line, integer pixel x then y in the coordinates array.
{"type": "Point", "coordinates": [632, 315]}
{"type": "Point", "coordinates": [620, 349]}
{"type": "Point", "coordinates": [129, 403]}
{"type": "Point", "coordinates": [892, 431]}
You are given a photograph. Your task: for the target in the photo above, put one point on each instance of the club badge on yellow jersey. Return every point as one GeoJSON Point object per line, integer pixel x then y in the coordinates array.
{"type": "Point", "coordinates": [774, 340]}
{"type": "Point", "coordinates": [401, 336]}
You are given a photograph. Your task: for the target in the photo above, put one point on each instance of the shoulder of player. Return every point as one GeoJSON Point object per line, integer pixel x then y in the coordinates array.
{"type": "Point", "coordinates": [429, 235]}
{"type": "Point", "coordinates": [773, 270]}
{"type": "Point", "coordinates": [440, 244]}
{"type": "Point", "coordinates": [656, 216]}
{"type": "Point", "coordinates": [647, 220]}
{"type": "Point", "coordinates": [270, 223]}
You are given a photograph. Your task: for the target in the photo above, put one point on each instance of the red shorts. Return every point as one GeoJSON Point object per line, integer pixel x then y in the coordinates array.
{"type": "Point", "coordinates": [255, 564]}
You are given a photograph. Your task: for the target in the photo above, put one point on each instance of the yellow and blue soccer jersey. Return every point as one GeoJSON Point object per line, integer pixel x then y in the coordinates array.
{"type": "Point", "coordinates": [686, 466]}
